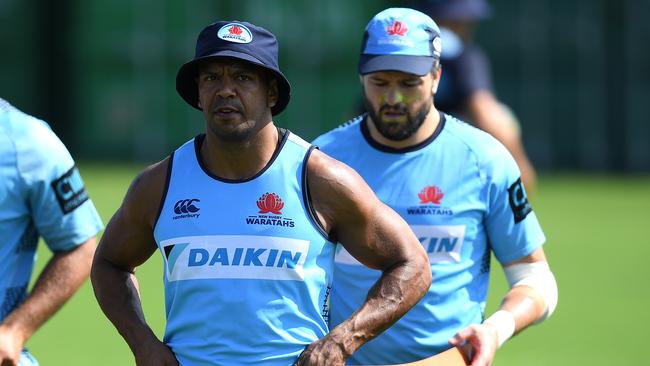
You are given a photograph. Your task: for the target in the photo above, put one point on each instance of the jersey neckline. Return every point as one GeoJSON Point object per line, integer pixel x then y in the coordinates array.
{"type": "Point", "coordinates": [283, 135]}
{"type": "Point", "coordinates": [365, 131]}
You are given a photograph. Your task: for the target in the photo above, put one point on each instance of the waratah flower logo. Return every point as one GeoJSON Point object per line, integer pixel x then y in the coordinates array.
{"type": "Point", "coordinates": [270, 202]}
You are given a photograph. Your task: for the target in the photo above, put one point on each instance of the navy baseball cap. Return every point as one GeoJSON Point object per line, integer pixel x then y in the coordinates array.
{"type": "Point", "coordinates": [458, 9]}
{"type": "Point", "coordinates": [235, 39]}
{"type": "Point", "coordinates": [400, 39]}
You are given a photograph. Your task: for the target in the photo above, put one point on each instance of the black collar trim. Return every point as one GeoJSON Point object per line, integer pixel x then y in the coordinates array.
{"type": "Point", "coordinates": [283, 135]}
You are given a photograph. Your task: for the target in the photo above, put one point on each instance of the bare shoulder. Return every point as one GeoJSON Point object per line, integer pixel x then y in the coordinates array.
{"type": "Point", "coordinates": [327, 176]}
{"type": "Point", "coordinates": [338, 192]}
{"type": "Point", "coordinates": [144, 196]}
{"type": "Point", "coordinates": [128, 239]}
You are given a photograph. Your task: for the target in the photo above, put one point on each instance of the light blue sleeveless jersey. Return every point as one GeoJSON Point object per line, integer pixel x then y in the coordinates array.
{"type": "Point", "coordinates": [247, 271]}
{"type": "Point", "coordinates": [41, 194]}
{"type": "Point", "coordinates": [461, 194]}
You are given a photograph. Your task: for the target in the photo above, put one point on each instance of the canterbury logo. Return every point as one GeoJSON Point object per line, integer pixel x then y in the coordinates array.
{"type": "Point", "coordinates": [270, 202]}
{"type": "Point", "coordinates": [431, 194]}
{"type": "Point", "coordinates": [397, 29]}
{"type": "Point", "coordinates": [186, 206]}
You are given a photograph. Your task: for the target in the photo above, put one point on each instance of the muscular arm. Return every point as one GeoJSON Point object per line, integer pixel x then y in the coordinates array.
{"type": "Point", "coordinates": [127, 243]}
{"type": "Point", "coordinates": [377, 237]}
{"type": "Point", "coordinates": [64, 273]}
{"type": "Point", "coordinates": [494, 118]}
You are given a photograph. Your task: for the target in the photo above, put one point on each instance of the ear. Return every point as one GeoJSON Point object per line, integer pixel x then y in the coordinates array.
{"type": "Point", "coordinates": [436, 80]}
{"type": "Point", "coordinates": [273, 93]}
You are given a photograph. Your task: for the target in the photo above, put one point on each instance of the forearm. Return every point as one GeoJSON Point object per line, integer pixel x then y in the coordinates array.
{"type": "Point", "coordinates": [397, 290]}
{"type": "Point", "coordinates": [532, 296]}
{"type": "Point", "coordinates": [59, 280]}
{"type": "Point", "coordinates": [117, 293]}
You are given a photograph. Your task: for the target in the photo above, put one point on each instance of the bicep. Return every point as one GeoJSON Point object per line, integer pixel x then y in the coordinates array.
{"type": "Point", "coordinates": [368, 229]}
{"type": "Point", "coordinates": [379, 240]}
{"type": "Point", "coordinates": [126, 243]}
{"type": "Point", "coordinates": [128, 240]}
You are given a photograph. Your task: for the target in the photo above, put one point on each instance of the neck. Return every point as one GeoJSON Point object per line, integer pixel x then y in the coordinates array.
{"type": "Point", "coordinates": [239, 160]}
{"type": "Point", "coordinates": [425, 131]}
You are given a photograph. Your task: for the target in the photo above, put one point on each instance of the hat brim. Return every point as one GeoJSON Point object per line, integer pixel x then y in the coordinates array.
{"type": "Point", "coordinates": [188, 89]}
{"type": "Point", "coordinates": [416, 65]}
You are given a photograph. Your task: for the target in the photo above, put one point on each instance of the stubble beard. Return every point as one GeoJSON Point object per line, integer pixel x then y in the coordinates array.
{"type": "Point", "coordinates": [397, 131]}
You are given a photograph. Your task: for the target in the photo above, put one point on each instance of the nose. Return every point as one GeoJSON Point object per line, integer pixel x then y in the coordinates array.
{"type": "Point", "coordinates": [226, 88]}
{"type": "Point", "coordinates": [394, 97]}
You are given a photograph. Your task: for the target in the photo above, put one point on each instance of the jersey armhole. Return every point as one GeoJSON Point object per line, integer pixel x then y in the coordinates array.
{"type": "Point", "coordinates": [306, 197]}
{"type": "Point", "coordinates": [163, 197]}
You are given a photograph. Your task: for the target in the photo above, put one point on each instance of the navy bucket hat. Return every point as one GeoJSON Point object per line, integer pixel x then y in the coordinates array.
{"type": "Point", "coordinates": [235, 39]}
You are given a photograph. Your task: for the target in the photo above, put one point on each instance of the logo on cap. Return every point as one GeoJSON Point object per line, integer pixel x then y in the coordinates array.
{"type": "Point", "coordinates": [397, 29]}
{"type": "Point", "coordinates": [235, 32]}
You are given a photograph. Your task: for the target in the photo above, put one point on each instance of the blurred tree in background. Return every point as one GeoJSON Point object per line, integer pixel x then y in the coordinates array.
{"type": "Point", "coordinates": [576, 72]}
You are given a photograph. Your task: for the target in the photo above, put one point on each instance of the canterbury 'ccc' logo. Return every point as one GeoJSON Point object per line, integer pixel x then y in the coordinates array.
{"type": "Point", "coordinates": [186, 206]}
{"type": "Point", "coordinates": [270, 202]}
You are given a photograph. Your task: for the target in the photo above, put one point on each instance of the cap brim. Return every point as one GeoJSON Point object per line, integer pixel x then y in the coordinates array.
{"type": "Point", "coordinates": [417, 65]}
{"type": "Point", "coordinates": [188, 89]}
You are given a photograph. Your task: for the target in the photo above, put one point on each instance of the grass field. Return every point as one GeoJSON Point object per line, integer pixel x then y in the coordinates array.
{"type": "Point", "coordinates": [598, 231]}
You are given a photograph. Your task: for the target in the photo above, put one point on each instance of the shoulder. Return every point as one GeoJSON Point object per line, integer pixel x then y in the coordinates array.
{"type": "Point", "coordinates": [340, 134]}
{"type": "Point", "coordinates": [339, 195]}
{"type": "Point", "coordinates": [145, 194]}
{"type": "Point", "coordinates": [487, 151]}
{"type": "Point", "coordinates": [323, 169]}
{"type": "Point", "coordinates": [39, 154]}
{"type": "Point", "coordinates": [29, 133]}
{"type": "Point", "coordinates": [478, 141]}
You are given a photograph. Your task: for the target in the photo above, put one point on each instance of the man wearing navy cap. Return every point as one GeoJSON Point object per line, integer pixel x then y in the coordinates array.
{"type": "Point", "coordinates": [245, 217]}
{"type": "Point", "coordinates": [459, 190]}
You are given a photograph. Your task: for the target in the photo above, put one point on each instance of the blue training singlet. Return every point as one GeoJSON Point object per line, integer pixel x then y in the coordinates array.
{"type": "Point", "coordinates": [461, 194]}
{"type": "Point", "coordinates": [247, 270]}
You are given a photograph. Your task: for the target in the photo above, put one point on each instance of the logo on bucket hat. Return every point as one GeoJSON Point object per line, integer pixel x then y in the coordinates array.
{"type": "Point", "coordinates": [234, 39]}
{"type": "Point", "coordinates": [400, 39]}
{"type": "Point", "coordinates": [235, 32]}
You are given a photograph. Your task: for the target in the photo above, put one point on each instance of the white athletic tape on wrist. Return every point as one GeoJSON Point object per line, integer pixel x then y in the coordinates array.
{"type": "Point", "coordinates": [504, 321]}
{"type": "Point", "coordinates": [538, 276]}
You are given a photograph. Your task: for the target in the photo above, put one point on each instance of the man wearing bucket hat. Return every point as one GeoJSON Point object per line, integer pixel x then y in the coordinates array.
{"type": "Point", "coordinates": [466, 88]}
{"type": "Point", "coordinates": [459, 190]}
{"type": "Point", "coordinates": [245, 217]}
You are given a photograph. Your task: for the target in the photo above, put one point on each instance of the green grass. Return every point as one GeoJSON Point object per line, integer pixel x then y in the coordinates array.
{"type": "Point", "coordinates": [598, 231]}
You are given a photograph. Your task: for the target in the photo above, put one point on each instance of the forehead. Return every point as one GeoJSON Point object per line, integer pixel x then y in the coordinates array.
{"type": "Point", "coordinates": [228, 63]}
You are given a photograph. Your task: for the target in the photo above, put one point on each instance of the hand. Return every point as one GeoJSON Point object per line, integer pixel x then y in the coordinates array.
{"type": "Point", "coordinates": [11, 344]}
{"type": "Point", "coordinates": [155, 354]}
{"type": "Point", "coordinates": [323, 352]}
{"type": "Point", "coordinates": [479, 341]}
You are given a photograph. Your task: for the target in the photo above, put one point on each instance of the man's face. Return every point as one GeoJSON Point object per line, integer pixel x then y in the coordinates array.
{"type": "Point", "coordinates": [236, 98]}
{"type": "Point", "coordinates": [397, 102]}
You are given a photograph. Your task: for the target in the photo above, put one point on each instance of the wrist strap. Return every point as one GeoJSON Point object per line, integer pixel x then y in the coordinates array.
{"type": "Point", "coordinates": [504, 321]}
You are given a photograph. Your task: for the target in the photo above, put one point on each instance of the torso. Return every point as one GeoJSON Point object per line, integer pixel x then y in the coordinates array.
{"type": "Point", "coordinates": [247, 272]}
{"type": "Point", "coordinates": [439, 189]}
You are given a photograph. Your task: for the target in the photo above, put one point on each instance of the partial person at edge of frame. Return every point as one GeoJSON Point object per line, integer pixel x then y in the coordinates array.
{"type": "Point", "coordinates": [41, 195]}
